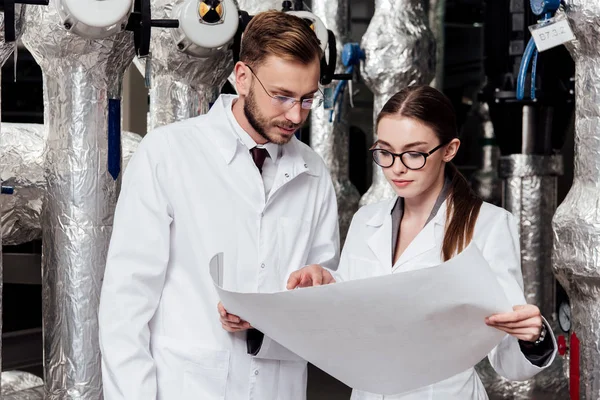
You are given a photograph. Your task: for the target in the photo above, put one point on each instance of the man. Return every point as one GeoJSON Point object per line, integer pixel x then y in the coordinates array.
{"type": "Point", "coordinates": [237, 181]}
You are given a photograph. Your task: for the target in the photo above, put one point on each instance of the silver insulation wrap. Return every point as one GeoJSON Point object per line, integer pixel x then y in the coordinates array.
{"type": "Point", "coordinates": [400, 51]}
{"type": "Point", "coordinates": [80, 76]}
{"type": "Point", "coordinates": [36, 393]}
{"type": "Point", "coordinates": [576, 254]}
{"type": "Point", "coordinates": [437, 17]}
{"type": "Point", "coordinates": [6, 49]}
{"type": "Point", "coordinates": [181, 86]}
{"type": "Point", "coordinates": [330, 139]}
{"type": "Point", "coordinates": [254, 7]}
{"type": "Point", "coordinates": [22, 167]}
{"type": "Point", "coordinates": [16, 381]}
{"type": "Point", "coordinates": [530, 187]}
{"type": "Point", "coordinates": [485, 180]}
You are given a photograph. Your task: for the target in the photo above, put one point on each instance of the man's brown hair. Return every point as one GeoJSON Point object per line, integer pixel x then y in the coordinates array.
{"type": "Point", "coordinates": [279, 34]}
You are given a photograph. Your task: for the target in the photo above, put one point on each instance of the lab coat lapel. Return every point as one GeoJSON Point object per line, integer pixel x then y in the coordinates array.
{"type": "Point", "coordinates": [380, 241]}
{"type": "Point", "coordinates": [430, 238]}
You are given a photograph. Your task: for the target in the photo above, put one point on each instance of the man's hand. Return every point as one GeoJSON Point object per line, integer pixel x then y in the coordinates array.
{"type": "Point", "coordinates": [231, 323]}
{"type": "Point", "coordinates": [312, 275]}
{"type": "Point", "coordinates": [524, 323]}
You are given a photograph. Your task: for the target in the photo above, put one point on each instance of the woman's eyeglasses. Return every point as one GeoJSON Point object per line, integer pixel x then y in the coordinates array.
{"type": "Point", "coordinates": [413, 160]}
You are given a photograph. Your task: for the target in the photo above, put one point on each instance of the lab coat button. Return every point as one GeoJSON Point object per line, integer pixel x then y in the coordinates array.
{"type": "Point", "coordinates": [287, 175]}
{"type": "Point", "coordinates": [255, 372]}
{"type": "Point", "coordinates": [262, 265]}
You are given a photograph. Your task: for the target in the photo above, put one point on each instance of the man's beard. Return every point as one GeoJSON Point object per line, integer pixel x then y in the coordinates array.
{"type": "Point", "coordinates": [261, 124]}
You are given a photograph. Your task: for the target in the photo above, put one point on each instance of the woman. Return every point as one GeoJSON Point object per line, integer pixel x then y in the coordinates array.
{"type": "Point", "coordinates": [435, 216]}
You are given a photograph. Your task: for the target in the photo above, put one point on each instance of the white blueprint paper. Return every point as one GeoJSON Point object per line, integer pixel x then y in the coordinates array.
{"type": "Point", "coordinates": [387, 334]}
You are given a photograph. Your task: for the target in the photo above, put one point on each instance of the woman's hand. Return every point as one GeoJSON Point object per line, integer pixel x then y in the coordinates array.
{"type": "Point", "coordinates": [312, 275]}
{"type": "Point", "coordinates": [524, 323]}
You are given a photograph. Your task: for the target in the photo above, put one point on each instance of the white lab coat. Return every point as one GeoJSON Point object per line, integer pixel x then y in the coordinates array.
{"type": "Point", "coordinates": [368, 252]}
{"type": "Point", "coordinates": [191, 190]}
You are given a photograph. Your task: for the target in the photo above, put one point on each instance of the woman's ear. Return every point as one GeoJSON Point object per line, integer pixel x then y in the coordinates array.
{"type": "Point", "coordinates": [451, 150]}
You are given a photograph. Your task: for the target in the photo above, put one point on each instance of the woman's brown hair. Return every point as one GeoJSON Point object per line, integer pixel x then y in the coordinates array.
{"type": "Point", "coordinates": [430, 107]}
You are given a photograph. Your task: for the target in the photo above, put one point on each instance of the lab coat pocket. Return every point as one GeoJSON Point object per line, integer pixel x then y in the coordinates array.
{"type": "Point", "coordinates": [361, 268]}
{"type": "Point", "coordinates": [205, 377]}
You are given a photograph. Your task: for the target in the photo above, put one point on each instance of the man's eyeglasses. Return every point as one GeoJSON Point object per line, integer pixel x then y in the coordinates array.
{"type": "Point", "coordinates": [287, 103]}
{"type": "Point", "coordinates": [413, 160]}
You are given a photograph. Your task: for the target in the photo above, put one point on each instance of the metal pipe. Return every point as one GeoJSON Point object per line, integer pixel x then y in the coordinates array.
{"type": "Point", "coordinates": [330, 139]}
{"type": "Point", "coordinates": [485, 181]}
{"type": "Point", "coordinates": [253, 7]}
{"type": "Point", "coordinates": [437, 17]}
{"type": "Point", "coordinates": [17, 381]}
{"type": "Point", "coordinates": [6, 49]}
{"type": "Point", "coordinates": [530, 189]}
{"type": "Point", "coordinates": [80, 76]}
{"type": "Point", "coordinates": [576, 253]}
{"type": "Point", "coordinates": [36, 393]}
{"type": "Point", "coordinates": [182, 86]}
{"type": "Point", "coordinates": [400, 51]}
{"type": "Point", "coordinates": [529, 134]}
{"type": "Point", "coordinates": [22, 167]}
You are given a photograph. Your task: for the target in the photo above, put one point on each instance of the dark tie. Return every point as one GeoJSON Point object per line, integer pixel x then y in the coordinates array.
{"type": "Point", "coordinates": [259, 155]}
{"type": "Point", "coordinates": [254, 338]}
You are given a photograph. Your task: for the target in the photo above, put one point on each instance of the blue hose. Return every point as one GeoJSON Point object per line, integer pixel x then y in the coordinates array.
{"type": "Point", "coordinates": [114, 137]}
{"type": "Point", "coordinates": [352, 54]}
{"type": "Point", "coordinates": [529, 50]}
{"type": "Point", "coordinates": [534, 73]}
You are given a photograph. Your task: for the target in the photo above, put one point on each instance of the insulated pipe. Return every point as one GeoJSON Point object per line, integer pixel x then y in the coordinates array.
{"type": "Point", "coordinates": [400, 51]}
{"type": "Point", "coordinates": [81, 76]}
{"type": "Point", "coordinates": [182, 86]}
{"type": "Point", "coordinates": [530, 189]}
{"type": "Point", "coordinates": [576, 254]}
{"type": "Point", "coordinates": [437, 17]}
{"type": "Point", "coordinates": [485, 180]}
{"type": "Point", "coordinates": [329, 138]}
{"type": "Point", "coordinates": [22, 167]}
{"type": "Point", "coordinates": [254, 7]}
{"type": "Point", "coordinates": [6, 49]}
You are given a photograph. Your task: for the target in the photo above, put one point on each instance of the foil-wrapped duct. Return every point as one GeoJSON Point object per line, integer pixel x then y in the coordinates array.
{"type": "Point", "coordinates": [36, 393]}
{"type": "Point", "coordinates": [182, 86]}
{"type": "Point", "coordinates": [16, 381]}
{"type": "Point", "coordinates": [330, 138]}
{"type": "Point", "coordinates": [530, 189]}
{"type": "Point", "coordinates": [6, 49]}
{"type": "Point", "coordinates": [80, 76]}
{"type": "Point", "coordinates": [437, 18]}
{"type": "Point", "coordinates": [576, 254]}
{"type": "Point", "coordinates": [22, 167]}
{"type": "Point", "coordinates": [485, 181]}
{"type": "Point", "coordinates": [400, 51]}
{"type": "Point", "coordinates": [254, 7]}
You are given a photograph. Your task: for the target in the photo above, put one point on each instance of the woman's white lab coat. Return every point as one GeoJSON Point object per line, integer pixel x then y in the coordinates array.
{"type": "Point", "coordinates": [368, 252]}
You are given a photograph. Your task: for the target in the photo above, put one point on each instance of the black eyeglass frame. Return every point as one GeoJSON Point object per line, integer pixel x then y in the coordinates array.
{"type": "Point", "coordinates": [280, 100]}
{"type": "Point", "coordinates": [401, 155]}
